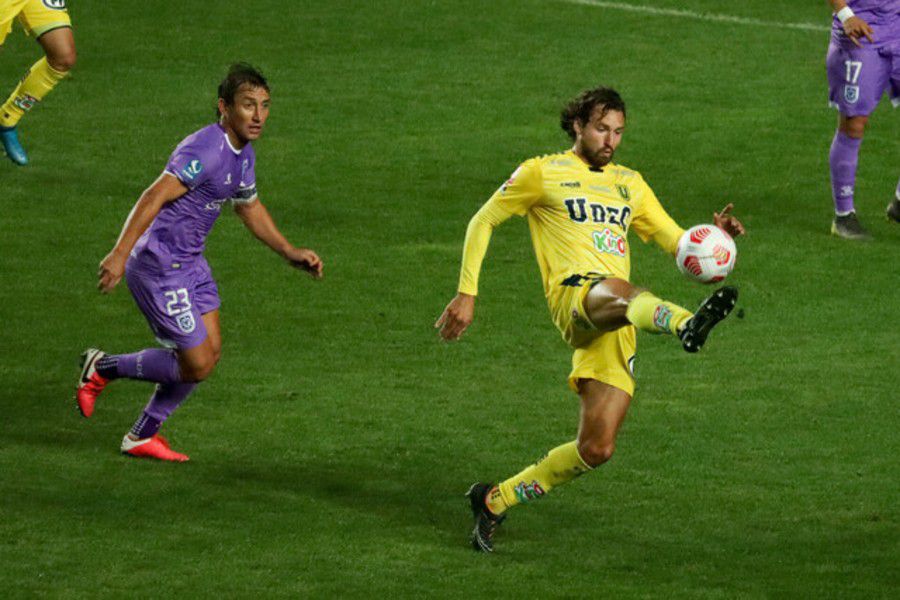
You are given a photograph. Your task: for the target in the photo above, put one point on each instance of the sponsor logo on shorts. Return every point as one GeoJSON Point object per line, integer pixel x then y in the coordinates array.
{"type": "Point", "coordinates": [527, 492]}
{"type": "Point", "coordinates": [55, 4]}
{"type": "Point", "coordinates": [186, 322]}
{"type": "Point", "coordinates": [851, 94]}
{"type": "Point", "coordinates": [608, 242]}
{"type": "Point", "coordinates": [25, 102]}
{"type": "Point", "coordinates": [192, 169]}
{"type": "Point", "coordinates": [661, 317]}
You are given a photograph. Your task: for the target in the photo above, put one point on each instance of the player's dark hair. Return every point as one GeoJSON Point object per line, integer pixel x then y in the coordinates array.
{"type": "Point", "coordinates": [582, 105]}
{"type": "Point", "coordinates": [240, 74]}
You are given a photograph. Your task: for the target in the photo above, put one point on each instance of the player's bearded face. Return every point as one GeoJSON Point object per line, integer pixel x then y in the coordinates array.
{"type": "Point", "coordinates": [596, 141]}
{"type": "Point", "coordinates": [247, 115]}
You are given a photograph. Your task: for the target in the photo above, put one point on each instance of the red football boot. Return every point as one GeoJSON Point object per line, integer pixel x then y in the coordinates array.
{"type": "Point", "coordinates": [156, 447]}
{"type": "Point", "coordinates": [91, 383]}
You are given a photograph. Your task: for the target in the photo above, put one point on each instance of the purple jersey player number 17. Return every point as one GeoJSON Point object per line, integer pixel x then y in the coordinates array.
{"type": "Point", "coordinates": [858, 77]}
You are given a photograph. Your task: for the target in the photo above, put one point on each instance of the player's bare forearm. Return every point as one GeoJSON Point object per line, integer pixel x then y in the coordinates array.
{"type": "Point", "coordinates": [165, 189]}
{"type": "Point", "coordinates": [259, 222]}
{"type": "Point", "coordinates": [837, 5]}
{"type": "Point", "coordinates": [257, 219]}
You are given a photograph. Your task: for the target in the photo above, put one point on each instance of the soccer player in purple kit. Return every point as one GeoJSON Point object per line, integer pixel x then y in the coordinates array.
{"type": "Point", "coordinates": [863, 63]}
{"type": "Point", "coordinates": [160, 254]}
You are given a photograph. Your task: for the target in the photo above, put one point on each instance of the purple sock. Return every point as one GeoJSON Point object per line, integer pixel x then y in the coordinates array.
{"type": "Point", "coordinates": [152, 364]}
{"type": "Point", "coordinates": [166, 398]}
{"type": "Point", "coordinates": [843, 159]}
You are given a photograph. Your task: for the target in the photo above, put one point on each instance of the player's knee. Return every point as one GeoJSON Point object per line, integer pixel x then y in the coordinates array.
{"type": "Point", "coordinates": [63, 60]}
{"type": "Point", "coordinates": [619, 288]}
{"type": "Point", "coordinates": [596, 452]}
{"type": "Point", "coordinates": [199, 370]}
{"type": "Point", "coordinates": [854, 127]}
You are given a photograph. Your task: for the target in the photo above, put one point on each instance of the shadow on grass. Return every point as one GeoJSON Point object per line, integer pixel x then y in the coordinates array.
{"type": "Point", "coordinates": [402, 498]}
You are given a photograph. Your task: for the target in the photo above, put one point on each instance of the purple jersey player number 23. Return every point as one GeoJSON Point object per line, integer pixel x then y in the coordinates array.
{"type": "Point", "coordinates": [167, 274]}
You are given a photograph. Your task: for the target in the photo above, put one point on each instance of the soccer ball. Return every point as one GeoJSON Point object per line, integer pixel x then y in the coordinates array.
{"type": "Point", "coordinates": [706, 254]}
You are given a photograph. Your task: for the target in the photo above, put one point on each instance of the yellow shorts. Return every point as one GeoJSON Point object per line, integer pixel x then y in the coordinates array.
{"type": "Point", "coordinates": [607, 357]}
{"type": "Point", "coordinates": [36, 16]}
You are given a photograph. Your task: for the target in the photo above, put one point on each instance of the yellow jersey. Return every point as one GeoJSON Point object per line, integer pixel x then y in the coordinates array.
{"type": "Point", "coordinates": [579, 218]}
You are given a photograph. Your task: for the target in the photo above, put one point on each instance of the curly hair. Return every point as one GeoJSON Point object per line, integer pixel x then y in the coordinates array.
{"type": "Point", "coordinates": [582, 105]}
{"type": "Point", "coordinates": [240, 74]}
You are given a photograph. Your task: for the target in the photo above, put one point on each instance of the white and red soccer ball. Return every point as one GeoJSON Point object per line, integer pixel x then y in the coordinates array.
{"type": "Point", "coordinates": [706, 254]}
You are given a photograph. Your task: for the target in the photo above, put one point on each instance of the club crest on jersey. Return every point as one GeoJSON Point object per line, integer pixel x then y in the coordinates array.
{"type": "Point", "coordinates": [599, 213]}
{"type": "Point", "coordinates": [608, 242]}
{"type": "Point", "coordinates": [623, 191]}
{"type": "Point", "coordinates": [186, 322]}
{"type": "Point", "coordinates": [55, 4]}
{"type": "Point", "coordinates": [192, 169]}
{"type": "Point", "coordinates": [851, 94]}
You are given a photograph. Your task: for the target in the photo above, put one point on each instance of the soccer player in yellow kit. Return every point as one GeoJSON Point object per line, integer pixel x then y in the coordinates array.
{"type": "Point", "coordinates": [580, 206]}
{"type": "Point", "coordinates": [48, 21]}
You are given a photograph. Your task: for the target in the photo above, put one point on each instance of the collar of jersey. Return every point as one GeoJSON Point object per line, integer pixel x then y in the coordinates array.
{"type": "Point", "coordinates": [586, 166]}
{"type": "Point", "coordinates": [228, 141]}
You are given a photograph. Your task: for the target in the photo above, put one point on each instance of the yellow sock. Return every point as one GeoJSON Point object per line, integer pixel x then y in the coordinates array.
{"type": "Point", "coordinates": [37, 83]}
{"type": "Point", "coordinates": [560, 465]}
{"type": "Point", "coordinates": [649, 313]}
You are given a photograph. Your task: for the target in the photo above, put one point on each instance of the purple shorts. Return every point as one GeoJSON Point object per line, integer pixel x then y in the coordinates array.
{"type": "Point", "coordinates": [174, 301]}
{"type": "Point", "coordinates": [859, 77]}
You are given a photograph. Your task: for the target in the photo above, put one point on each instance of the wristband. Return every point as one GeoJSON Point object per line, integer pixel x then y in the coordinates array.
{"type": "Point", "coordinates": [844, 14]}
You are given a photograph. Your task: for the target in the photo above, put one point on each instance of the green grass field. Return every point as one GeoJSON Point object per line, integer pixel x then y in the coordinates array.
{"type": "Point", "coordinates": [332, 447]}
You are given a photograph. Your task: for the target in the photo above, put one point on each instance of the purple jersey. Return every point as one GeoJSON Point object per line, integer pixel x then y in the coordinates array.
{"type": "Point", "coordinates": [859, 77]}
{"type": "Point", "coordinates": [883, 16]}
{"type": "Point", "coordinates": [214, 173]}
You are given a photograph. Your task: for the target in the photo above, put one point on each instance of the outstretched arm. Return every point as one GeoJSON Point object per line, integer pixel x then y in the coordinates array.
{"type": "Point", "coordinates": [854, 27]}
{"type": "Point", "coordinates": [166, 188]}
{"type": "Point", "coordinates": [258, 220]}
